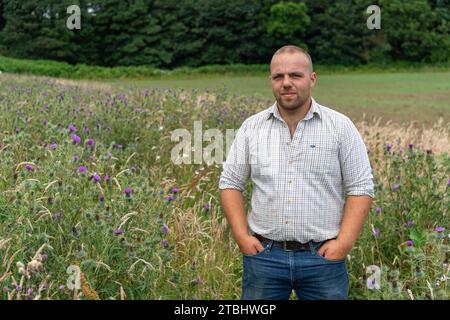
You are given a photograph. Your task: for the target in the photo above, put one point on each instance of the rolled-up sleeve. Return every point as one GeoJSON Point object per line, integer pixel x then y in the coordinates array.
{"type": "Point", "coordinates": [355, 165]}
{"type": "Point", "coordinates": [236, 169]}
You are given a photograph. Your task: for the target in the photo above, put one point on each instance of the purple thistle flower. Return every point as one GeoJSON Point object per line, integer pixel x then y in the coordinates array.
{"type": "Point", "coordinates": [91, 158]}
{"type": "Point", "coordinates": [376, 232]}
{"type": "Point", "coordinates": [30, 291]}
{"type": "Point", "coordinates": [96, 178]}
{"type": "Point", "coordinates": [165, 243]}
{"type": "Point", "coordinates": [128, 192]}
{"type": "Point", "coordinates": [109, 154]}
{"type": "Point", "coordinates": [410, 146]}
{"type": "Point", "coordinates": [17, 130]}
{"type": "Point", "coordinates": [409, 224]}
{"type": "Point", "coordinates": [117, 146]}
{"type": "Point", "coordinates": [44, 122]}
{"type": "Point", "coordinates": [439, 229]}
{"type": "Point", "coordinates": [19, 288]}
{"type": "Point", "coordinates": [58, 216]}
{"type": "Point", "coordinates": [90, 142]}
{"type": "Point", "coordinates": [82, 169]}
{"type": "Point", "coordinates": [395, 186]}
{"type": "Point", "coordinates": [410, 243]}
{"type": "Point", "coordinates": [101, 198]}
{"type": "Point", "coordinates": [72, 128]}
{"type": "Point", "coordinates": [389, 147]}
{"type": "Point", "coordinates": [378, 211]}
{"type": "Point", "coordinates": [53, 146]}
{"type": "Point", "coordinates": [107, 178]}
{"type": "Point", "coordinates": [165, 229]}
{"type": "Point", "coordinates": [198, 281]}
{"type": "Point", "coordinates": [29, 167]}
{"type": "Point", "coordinates": [170, 197]}
{"type": "Point", "coordinates": [76, 158]}
{"type": "Point", "coordinates": [448, 183]}
{"type": "Point", "coordinates": [62, 287]}
{"type": "Point", "coordinates": [175, 190]}
{"type": "Point", "coordinates": [76, 139]}
{"type": "Point", "coordinates": [87, 130]}
{"type": "Point", "coordinates": [207, 206]}
{"type": "Point", "coordinates": [119, 232]}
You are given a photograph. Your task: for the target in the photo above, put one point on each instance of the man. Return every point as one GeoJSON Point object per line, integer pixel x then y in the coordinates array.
{"type": "Point", "coordinates": [312, 189]}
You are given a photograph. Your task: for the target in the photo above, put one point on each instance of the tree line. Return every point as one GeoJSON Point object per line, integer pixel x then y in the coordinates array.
{"type": "Point", "coordinates": [173, 33]}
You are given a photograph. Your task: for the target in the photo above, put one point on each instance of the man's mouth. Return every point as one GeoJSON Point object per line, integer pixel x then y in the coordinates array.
{"type": "Point", "coordinates": [288, 94]}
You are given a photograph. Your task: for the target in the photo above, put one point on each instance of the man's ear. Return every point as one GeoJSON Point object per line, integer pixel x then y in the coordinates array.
{"type": "Point", "coordinates": [313, 78]}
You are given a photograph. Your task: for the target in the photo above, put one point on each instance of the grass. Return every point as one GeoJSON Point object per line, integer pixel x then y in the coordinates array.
{"type": "Point", "coordinates": [397, 97]}
{"type": "Point", "coordinates": [160, 241]}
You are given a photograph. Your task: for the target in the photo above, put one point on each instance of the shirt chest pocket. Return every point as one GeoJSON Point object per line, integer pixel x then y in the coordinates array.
{"type": "Point", "coordinates": [319, 158]}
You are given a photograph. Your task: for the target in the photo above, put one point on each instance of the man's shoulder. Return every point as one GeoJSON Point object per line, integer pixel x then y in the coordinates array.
{"type": "Point", "coordinates": [333, 115]}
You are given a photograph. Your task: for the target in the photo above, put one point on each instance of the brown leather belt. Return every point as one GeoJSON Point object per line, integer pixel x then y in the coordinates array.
{"type": "Point", "coordinates": [290, 245]}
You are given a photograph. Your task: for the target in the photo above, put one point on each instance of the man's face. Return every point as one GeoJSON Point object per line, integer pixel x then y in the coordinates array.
{"type": "Point", "coordinates": [291, 79]}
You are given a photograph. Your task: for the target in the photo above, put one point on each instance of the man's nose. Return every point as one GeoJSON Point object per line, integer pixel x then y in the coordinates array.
{"type": "Point", "coordinates": [286, 82]}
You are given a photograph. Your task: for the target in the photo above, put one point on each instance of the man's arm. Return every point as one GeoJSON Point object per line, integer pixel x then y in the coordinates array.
{"type": "Point", "coordinates": [233, 206]}
{"type": "Point", "coordinates": [355, 214]}
{"type": "Point", "coordinates": [358, 185]}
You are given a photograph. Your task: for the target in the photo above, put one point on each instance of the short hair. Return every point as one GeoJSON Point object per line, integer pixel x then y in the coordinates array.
{"type": "Point", "coordinates": [294, 49]}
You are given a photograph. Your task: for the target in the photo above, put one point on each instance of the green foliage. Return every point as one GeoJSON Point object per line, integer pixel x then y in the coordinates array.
{"type": "Point", "coordinates": [288, 19]}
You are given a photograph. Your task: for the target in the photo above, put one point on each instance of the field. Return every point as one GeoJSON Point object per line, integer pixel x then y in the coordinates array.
{"type": "Point", "coordinates": [88, 190]}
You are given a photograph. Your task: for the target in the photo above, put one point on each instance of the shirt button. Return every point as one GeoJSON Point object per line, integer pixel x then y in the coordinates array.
{"type": "Point", "coordinates": [287, 222]}
{"type": "Point", "coordinates": [290, 181]}
{"type": "Point", "coordinates": [288, 143]}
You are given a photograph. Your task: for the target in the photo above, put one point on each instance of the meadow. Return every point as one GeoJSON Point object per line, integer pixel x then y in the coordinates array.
{"type": "Point", "coordinates": [88, 188]}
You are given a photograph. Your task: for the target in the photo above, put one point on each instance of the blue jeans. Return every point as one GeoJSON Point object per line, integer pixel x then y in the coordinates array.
{"type": "Point", "coordinates": [273, 273]}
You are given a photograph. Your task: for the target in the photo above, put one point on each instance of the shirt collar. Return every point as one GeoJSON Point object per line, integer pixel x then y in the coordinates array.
{"type": "Point", "coordinates": [315, 109]}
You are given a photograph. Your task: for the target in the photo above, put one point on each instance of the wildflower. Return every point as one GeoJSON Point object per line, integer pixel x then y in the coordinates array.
{"type": "Point", "coordinates": [91, 158]}
{"type": "Point", "coordinates": [96, 178]}
{"type": "Point", "coordinates": [62, 287]}
{"type": "Point", "coordinates": [448, 183]}
{"type": "Point", "coordinates": [439, 229]}
{"type": "Point", "coordinates": [165, 243]}
{"type": "Point", "coordinates": [198, 281]}
{"type": "Point", "coordinates": [90, 142]}
{"type": "Point", "coordinates": [109, 154]}
{"type": "Point", "coordinates": [128, 192]}
{"type": "Point", "coordinates": [53, 146]}
{"type": "Point", "coordinates": [170, 197]}
{"type": "Point", "coordinates": [17, 130]}
{"type": "Point", "coordinates": [19, 288]}
{"type": "Point", "coordinates": [72, 128]}
{"type": "Point", "coordinates": [82, 169]}
{"type": "Point", "coordinates": [107, 178]}
{"type": "Point", "coordinates": [409, 243]}
{"type": "Point", "coordinates": [378, 211]}
{"type": "Point", "coordinates": [409, 224]}
{"type": "Point", "coordinates": [76, 158]}
{"type": "Point", "coordinates": [76, 139]}
{"type": "Point", "coordinates": [410, 146]}
{"type": "Point", "coordinates": [389, 147]}
{"type": "Point", "coordinates": [165, 229]}
{"type": "Point", "coordinates": [119, 232]}
{"type": "Point", "coordinates": [87, 130]}
{"type": "Point", "coordinates": [207, 206]}
{"type": "Point", "coordinates": [395, 186]}
{"type": "Point", "coordinates": [29, 167]}
{"type": "Point", "coordinates": [376, 232]}
{"type": "Point", "coordinates": [117, 146]}
{"type": "Point", "coordinates": [44, 122]}
{"type": "Point", "coordinates": [175, 190]}
{"type": "Point", "coordinates": [30, 291]}
{"type": "Point", "coordinates": [58, 216]}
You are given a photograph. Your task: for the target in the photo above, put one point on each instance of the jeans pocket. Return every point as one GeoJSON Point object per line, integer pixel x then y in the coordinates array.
{"type": "Point", "coordinates": [267, 246]}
